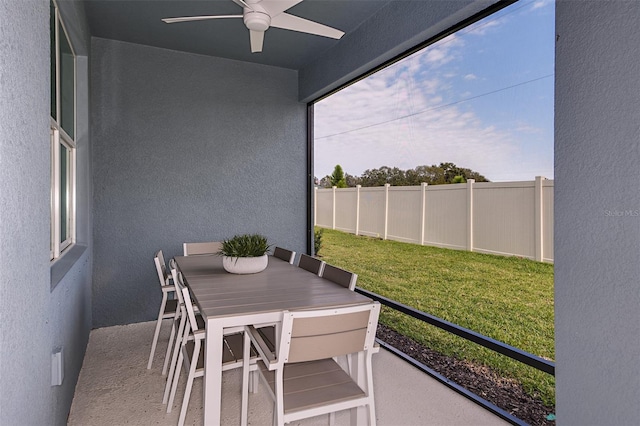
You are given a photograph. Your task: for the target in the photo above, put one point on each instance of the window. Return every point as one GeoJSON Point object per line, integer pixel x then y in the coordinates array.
{"type": "Point", "coordinates": [63, 147]}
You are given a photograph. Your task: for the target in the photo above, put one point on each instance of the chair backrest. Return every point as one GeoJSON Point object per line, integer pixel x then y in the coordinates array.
{"type": "Point", "coordinates": [161, 268]}
{"type": "Point", "coordinates": [340, 276]}
{"type": "Point", "coordinates": [161, 259]}
{"type": "Point", "coordinates": [309, 335]}
{"type": "Point", "coordinates": [311, 264]}
{"type": "Point", "coordinates": [284, 254]}
{"type": "Point", "coordinates": [210, 247]}
{"type": "Point", "coordinates": [185, 299]}
{"type": "Point", "coordinates": [178, 282]}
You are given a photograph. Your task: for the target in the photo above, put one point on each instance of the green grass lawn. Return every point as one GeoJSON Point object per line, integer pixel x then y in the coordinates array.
{"type": "Point", "coordinates": [506, 298]}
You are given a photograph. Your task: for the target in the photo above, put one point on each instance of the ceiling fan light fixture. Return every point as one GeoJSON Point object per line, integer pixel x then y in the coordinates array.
{"type": "Point", "coordinates": [259, 15]}
{"type": "Point", "coordinates": [257, 21]}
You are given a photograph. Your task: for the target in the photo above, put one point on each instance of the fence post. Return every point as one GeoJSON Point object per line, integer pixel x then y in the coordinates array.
{"type": "Point", "coordinates": [470, 183]}
{"type": "Point", "coordinates": [538, 206]}
{"type": "Point", "coordinates": [424, 208]}
{"type": "Point", "coordinates": [358, 208]}
{"type": "Point", "coordinates": [333, 208]}
{"type": "Point", "coordinates": [386, 210]}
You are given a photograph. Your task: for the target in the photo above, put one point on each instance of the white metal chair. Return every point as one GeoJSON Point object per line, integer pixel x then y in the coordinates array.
{"type": "Point", "coordinates": [210, 247]}
{"type": "Point", "coordinates": [302, 377]}
{"type": "Point", "coordinates": [168, 307]}
{"type": "Point", "coordinates": [180, 323]}
{"type": "Point", "coordinates": [284, 254]}
{"type": "Point", "coordinates": [192, 352]}
{"type": "Point", "coordinates": [311, 264]}
{"type": "Point", "coordinates": [340, 276]}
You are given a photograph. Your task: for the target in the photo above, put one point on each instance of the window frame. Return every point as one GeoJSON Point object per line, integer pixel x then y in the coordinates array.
{"type": "Point", "coordinates": [61, 139]}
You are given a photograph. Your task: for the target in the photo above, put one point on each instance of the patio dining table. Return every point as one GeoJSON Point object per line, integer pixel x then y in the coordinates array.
{"type": "Point", "coordinates": [228, 300]}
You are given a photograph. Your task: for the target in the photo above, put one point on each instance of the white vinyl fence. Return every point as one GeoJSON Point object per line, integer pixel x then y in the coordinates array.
{"type": "Point", "coordinates": [507, 218]}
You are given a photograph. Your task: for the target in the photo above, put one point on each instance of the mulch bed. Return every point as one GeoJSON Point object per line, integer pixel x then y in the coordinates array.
{"type": "Point", "coordinates": [481, 380]}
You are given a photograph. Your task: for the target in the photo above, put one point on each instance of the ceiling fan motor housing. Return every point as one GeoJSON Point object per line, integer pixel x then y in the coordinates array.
{"type": "Point", "coordinates": [256, 20]}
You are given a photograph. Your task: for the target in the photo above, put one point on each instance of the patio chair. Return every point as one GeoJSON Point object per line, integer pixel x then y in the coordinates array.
{"type": "Point", "coordinates": [179, 327]}
{"type": "Point", "coordinates": [192, 353]}
{"type": "Point", "coordinates": [210, 247]}
{"type": "Point", "coordinates": [168, 307]}
{"type": "Point", "coordinates": [284, 254]}
{"type": "Point", "coordinates": [311, 264]}
{"type": "Point", "coordinates": [337, 275]}
{"type": "Point", "coordinates": [303, 378]}
{"type": "Point", "coordinates": [340, 276]}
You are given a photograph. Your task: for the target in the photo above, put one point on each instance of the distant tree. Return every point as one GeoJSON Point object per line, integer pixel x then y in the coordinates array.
{"type": "Point", "coordinates": [337, 177]}
{"type": "Point", "coordinates": [382, 176]}
{"type": "Point", "coordinates": [373, 177]}
{"type": "Point", "coordinates": [325, 182]}
{"type": "Point", "coordinates": [433, 175]}
{"type": "Point", "coordinates": [397, 177]}
{"type": "Point", "coordinates": [352, 181]}
{"type": "Point", "coordinates": [451, 171]}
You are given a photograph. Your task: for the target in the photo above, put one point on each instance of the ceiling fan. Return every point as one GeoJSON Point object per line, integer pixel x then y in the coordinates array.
{"type": "Point", "coordinates": [259, 15]}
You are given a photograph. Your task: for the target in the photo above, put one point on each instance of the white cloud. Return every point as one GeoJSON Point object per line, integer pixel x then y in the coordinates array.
{"type": "Point", "coordinates": [431, 136]}
{"type": "Point", "coordinates": [482, 27]}
{"type": "Point", "coordinates": [539, 4]}
{"type": "Point", "coordinates": [469, 77]}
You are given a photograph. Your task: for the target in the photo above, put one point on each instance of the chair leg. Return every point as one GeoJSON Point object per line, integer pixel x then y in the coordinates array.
{"type": "Point", "coordinates": [371, 406]}
{"type": "Point", "coordinates": [174, 384]}
{"type": "Point", "coordinates": [187, 390]}
{"type": "Point", "coordinates": [174, 356]}
{"type": "Point", "coordinates": [157, 332]}
{"type": "Point", "coordinates": [166, 355]}
{"type": "Point", "coordinates": [279, 397]}
{"type": "Point", "coordinates": [246, 355]}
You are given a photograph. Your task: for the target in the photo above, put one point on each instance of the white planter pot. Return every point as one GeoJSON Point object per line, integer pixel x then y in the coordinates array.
{"type": "Point", "coordinates": [245, 265]}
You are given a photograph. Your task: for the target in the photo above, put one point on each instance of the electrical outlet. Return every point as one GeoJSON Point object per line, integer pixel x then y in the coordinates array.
{"type": "Point", "coordinates": [57, 367]}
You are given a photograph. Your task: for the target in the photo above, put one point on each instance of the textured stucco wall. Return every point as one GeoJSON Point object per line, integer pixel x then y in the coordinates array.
{"type": "Point", "coordinates": [597, 212]}
{"type": "Point", "coordinates": [35, 320]}
{"type": "Point", "coordinates": [24, 212]}
{"type": "Point", "coordinates": [397, 27]}
{"type": "Point", "coordinates": [187, 148]}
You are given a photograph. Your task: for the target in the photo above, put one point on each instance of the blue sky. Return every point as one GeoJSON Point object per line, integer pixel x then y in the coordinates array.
{"type": "Point", "coordinates": [482, 98]}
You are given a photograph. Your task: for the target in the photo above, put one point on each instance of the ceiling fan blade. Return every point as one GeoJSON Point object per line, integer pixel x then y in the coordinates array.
{"type": "Point", "coordinates": [242, 4]}
{"type": "Point", "coordinates": [198, 18]}
{"type": "Point", "coordinates": [294, 23]}
{"type": "Point", "coordinates": [276, 7]}
{"type": "Point", "coordinates": [257, 38]}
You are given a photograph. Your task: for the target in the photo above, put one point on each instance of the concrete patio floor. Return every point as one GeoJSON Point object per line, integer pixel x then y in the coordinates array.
{"type": "Point", "coordinates": [115, 388]}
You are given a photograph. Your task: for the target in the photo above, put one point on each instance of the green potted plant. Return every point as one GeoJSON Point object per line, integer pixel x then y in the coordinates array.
{"type": "Point", "coordinates": [245, 254]}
